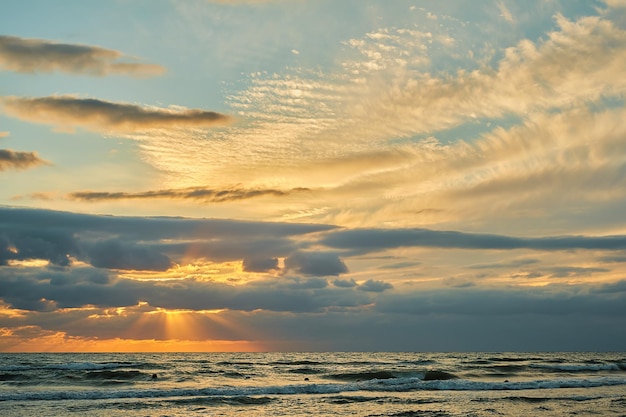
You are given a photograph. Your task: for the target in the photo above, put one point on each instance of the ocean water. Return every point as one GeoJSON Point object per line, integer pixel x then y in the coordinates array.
{"type": "Point", "coordinates": [313, 384]}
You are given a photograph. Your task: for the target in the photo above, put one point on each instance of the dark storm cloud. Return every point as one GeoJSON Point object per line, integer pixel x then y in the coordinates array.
{"type": "Point", "coordinates": [46, 290]}
{"type": "Point", "coordinates": [256, 264]}
{"type": "Point", "coordinates": [104, 116]}
{"type": "Point", "coordinates": [38, 55]}
{"type": "Point", "coordinates": [114, 254]}
{"type": "Point", "coordinates": [315, 263]}
{"type": "Point", "coordinates": [150, 228]}
{"type": "Point", "coordinates": [55, 246]}
{"type": "Point", "coordinates": [137, 243]}
{"type": "Point", "coordinates": [551, 300]}
{"type": "Point", "coordinates": [552, 318]}
{"type": "Point", "coordinates": [209, 195]}
{"type": "Point", "coordinates": [361, 241]}
{"type": "Point", "coordinates": [19, 160]}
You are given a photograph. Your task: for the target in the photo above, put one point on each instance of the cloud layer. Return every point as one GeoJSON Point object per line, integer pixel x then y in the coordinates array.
{"type": "Point", "coordinates": [69, 112]}
{"type": "Point", "coordinates": [27, 55]}
{"type": "Point", "coordinates": [19, 160]}
{"type": "Point", "coordinates": [207, 195]}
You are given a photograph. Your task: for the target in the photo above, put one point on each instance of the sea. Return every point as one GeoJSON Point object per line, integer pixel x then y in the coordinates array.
{"type": "Point", "coordinates": [313, 384]}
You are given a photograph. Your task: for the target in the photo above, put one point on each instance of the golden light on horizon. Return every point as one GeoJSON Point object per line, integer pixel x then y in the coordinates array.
{"type": "Point", "coordinates": [56, 342]}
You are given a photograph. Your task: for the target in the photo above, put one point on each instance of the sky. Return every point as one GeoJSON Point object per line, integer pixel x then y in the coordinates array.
{"type": "Point", "coordinates": [312, 175]}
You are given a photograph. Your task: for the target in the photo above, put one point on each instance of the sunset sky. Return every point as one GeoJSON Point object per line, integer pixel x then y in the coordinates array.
{"type": "Point", "coordinates": [303, 175]}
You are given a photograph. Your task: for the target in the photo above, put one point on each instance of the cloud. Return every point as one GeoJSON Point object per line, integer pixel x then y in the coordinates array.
{"type": "Point", "coordinates": [114, 254]}
{"type": "Point", "coordinates": [512, 264]}
{"type": "Point", "coordinates": [497, 302]}
{"type": "Point", "coordinates": [69, 112]}
{"type": "Point", "coordinates": [150, 244]}
{"type": "Point", "coordinates": [4, 134]}
{"type": "Point", "coordinates": [49, 290]}
{"type": "Point", "coordinates": [255, 264]}
{"type": "Point", "coordinates": [617, 4]}
{"type": "Point", "coordinates": [344, 283]}
{"type": "Point", "coordinates": [207, 195]}
{"type": "Point", "coordinates": [505, 12]}
{"type": "Point", "coordinates": [19, 160]}
{"type": "Point", "coordinates": [315, 263]}
{"type": "Point", "coordinates": [374, 286]}
{"type": "Point", "coordinates": [373, 240]}
{"type": "Point", "coordinates": [26, 55]}
{"type": "Point", "coordinates": [549, 318]}
{"type": "Point", "coordinates": [368, 128]}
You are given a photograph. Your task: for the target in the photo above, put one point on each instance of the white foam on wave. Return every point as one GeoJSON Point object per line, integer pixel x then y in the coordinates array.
{"type": "Point", "coordinates": [579, 368]}
{"type": "Point", "coordinates": [72, 366]}
{"type": "Point", "coordinates": [387, 385]}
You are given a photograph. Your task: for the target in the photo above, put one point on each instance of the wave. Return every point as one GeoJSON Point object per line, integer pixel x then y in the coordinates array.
{"type": "Point", "coordinates": [362, 376]}
{"type": "Point", "coordinates": [222, 400]}
{"type": "Point", "coordinates": [432, 375]}
{"type": "Point", "coordinates": [123, 375]}
{"type": "Point", "coordinates": [297, 363]}
{"type": "Point", "coordinates": [589, 367]}
{"type": "Point", "coordinates": [75, 366]}
{"type": "Point", "coordinates": [373, 385]}
{"type": "Point", "coordinates": [535, 400]}
{"type": "Point", "coordinates": [306, 371]}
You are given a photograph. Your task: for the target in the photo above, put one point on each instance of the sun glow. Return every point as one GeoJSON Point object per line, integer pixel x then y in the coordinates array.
{"type": "Point", "coordinates": [231, 272]}
{"type": "Point", "coordinates": [12, 340]}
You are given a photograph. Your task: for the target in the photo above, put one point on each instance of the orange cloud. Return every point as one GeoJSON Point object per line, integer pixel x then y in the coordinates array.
{"type": "Point", "coordinates": [17, 340]}
{"type": "Point", "coordinates": [19, 160]}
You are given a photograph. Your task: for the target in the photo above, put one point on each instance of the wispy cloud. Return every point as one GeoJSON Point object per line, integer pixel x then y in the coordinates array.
{"type": "Point", "coordinates": [505, 12]}
{"type": "Point", "coordinates": [203, 194]}
{"type": "Point", "coordinates": [19, 160]}
{"type": "Point", "coordinates": [374, 240]}
{"type": "Point", "coordinates": [616, 3]}
{"type": "Point", "coordinates": [69, 112]}
{"type": "Point", "coordinates": [354, 128]}
{"type": "Point", "coordinates": [27, 55]}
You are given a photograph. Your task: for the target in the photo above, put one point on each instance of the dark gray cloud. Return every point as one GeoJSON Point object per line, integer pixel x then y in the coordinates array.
{"type": "Point", "coordinates": [459, 321]}
{"type": "Point", "coordinates": [38, 55]}
{"type": "Point", "coordinates": [255, 264]}
{"type": "Point", "coordinates": [315, 263]}
{"type": "Point", "coordinates": [49, 289]}
{"type": "Point", "coordinates": [151, 228]}
{"type": "Point", "coordinates": [344, 283]}
{"type": "Point", "coordinates": [613, 259]}
{"type": "Point", "coordinates": [19, 160]}
{"type": "Point", "coordinates": [148, 243]}
{"type": "Point", "coordinates": [360, 241]}
{"type": "Point", "coordinates": [551, 300]}
{"type": "Point", "coordinates": [374, 286]}
{"type": "Point", "coordinates": [504, 265]}
{"type": "Point", "coordinates": [209, 195]}
{"type": "Point", "coordinates": [573, 271]}
{"type": "Point", "coordinates": [116, 254]}
{"type": "Point", "coordinates": [27, 243]}
{"type": "Point", "coordinates": [104, 116]}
